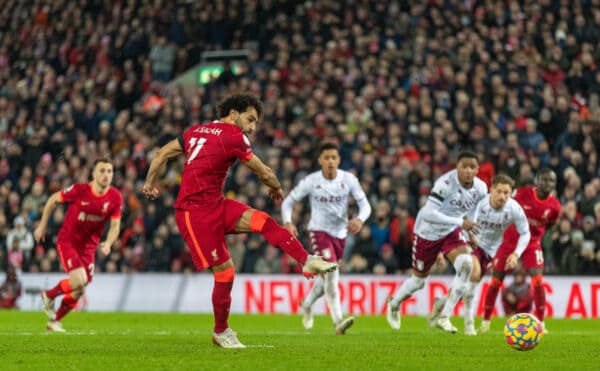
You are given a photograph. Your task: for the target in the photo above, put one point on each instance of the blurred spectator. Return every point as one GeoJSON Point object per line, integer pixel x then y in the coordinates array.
{"type": "Point", "coordinates": [20, 243]}
{"type": "Point", "coordinates": [158, 255]}
{"type": "Point", "coordinates": [518, 296]}
{"type": "Point", "coordinates": [403, 97]}
{"type": "Point", "coordinates": [10, 290]}
{"type": "Point", "coordinates": [589, 199]}
{"type": "Point", "coordinates": [365, 247]}
{"type": "Point", "coordinates": [401, 237]}
{"type": "Point", "coordinates": [561, 246]}
{"type": "Point", "coordinates": [162, 56]}
{"type": "Point", "coordinates": [270, 262]}
{"type": "Point", "coordinates": [388, 259]}
{"type": "Point", "coordinates": [380, 227]}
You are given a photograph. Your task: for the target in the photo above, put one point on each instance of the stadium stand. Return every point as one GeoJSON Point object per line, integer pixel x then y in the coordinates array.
{"type": "Point", "coordinates": [403, 86]}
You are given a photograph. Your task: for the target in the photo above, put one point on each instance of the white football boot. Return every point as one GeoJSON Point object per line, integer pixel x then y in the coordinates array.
{"type": "Point", "coordinates": [445, 324]}
{"type": "Point", "coordinates": [48, 306]}
{"type": "Point", "coordinates": [227, 339]}
{"type": "Point", "coordinates": [343, 325]}
{"type": "Point", "coordinates": [438, 305]}
{"type": "Point", "coordinates": [470, 328]}
{"type": "Point", "coordinates": [307, 315]}
{"type": "Point", "coordinates": [315, 265]}
{"type": "Point", "coordinates": [485, 327]}
{"type": "Point", "coordinates": [54, 326]}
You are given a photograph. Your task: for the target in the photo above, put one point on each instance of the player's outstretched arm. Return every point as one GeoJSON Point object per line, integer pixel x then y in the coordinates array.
{"type": "Point", "coordinates": [111, 236]}
{"type": "Point", "coordinates": [266, 176]}
{"type": "Point", "coordinates": [166, 152]}
{"type": "Point", "coordinates": [39, 234]}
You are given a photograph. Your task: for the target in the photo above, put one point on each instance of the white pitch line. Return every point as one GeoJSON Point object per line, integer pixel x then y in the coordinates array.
{"type": "Point", "coordinates": [207, 333]}
{"type": "Point", "coordinates": [260, 346]}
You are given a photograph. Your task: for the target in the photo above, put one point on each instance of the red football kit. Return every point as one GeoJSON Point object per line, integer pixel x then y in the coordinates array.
{"type": "Point", "coordinates": [539, 214]}
{"type": "Point", "coordinates": [84, 224]}
{"type": "Point", "coordinates": [204, 216]}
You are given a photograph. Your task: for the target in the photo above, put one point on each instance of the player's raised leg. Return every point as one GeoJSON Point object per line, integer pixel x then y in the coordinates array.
{"type": "Point", "coordinates": [260, 222]}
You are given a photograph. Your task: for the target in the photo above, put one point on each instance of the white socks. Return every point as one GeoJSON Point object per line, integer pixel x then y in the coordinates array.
{"type": "Point", "coordinates": [468, 299]}
{"type": "Point", "coordinates": [332, 295]}
{"type": "Point", "coordinates": [409, 287]}
{"type": "Point", "coordinates": [315, 293]}
{"type": "Point", "coordinates": [463, 264]}
{"type": "Point", "coordinates": [328, 285]}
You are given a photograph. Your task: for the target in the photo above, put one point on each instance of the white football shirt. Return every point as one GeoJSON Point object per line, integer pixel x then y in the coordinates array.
{"type": "Point", "coordinates": [447, 205]}
{"type": "Point", "coordinates": [493, 222]}
{"type": "Point", "coordinates": [328, 202]}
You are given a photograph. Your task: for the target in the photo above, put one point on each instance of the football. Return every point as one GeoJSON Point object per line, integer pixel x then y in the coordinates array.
{"type": "Point", "coordinates": [523, 331]}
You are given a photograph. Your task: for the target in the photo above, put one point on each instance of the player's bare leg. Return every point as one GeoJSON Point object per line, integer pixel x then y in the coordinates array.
{"type": "Point", "coordinates": [260, 222]}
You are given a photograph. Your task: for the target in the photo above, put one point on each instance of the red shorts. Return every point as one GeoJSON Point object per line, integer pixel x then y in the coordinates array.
{"type": "Point", "coordinates": [72, 258]}
{"type": "Point", "coordinates": [327, 246]}
{"type": "Point", "coordinates": [484, 260]}
{"type": "Point", "coordinates": [532, 258]}
{"type": "Point", "coordinates": [425, 252]}
{"type": "Point", "coordinates": [204, 231]}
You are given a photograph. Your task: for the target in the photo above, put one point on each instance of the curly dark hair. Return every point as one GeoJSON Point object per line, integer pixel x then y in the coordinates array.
{"type": "Point", "coordinates": [240, 103]}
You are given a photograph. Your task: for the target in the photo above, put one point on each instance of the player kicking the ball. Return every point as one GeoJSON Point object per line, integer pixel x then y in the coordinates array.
{"type": "Point", "coordinates": [204, 216]}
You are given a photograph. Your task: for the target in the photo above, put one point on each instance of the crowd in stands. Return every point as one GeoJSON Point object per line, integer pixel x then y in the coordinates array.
{"type": "Point", "coordinates": [402, 86]}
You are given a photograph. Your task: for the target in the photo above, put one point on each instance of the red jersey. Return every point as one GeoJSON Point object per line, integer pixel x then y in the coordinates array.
{"type": "Point", "coordinates": [87, 214]}
{"type": "Point", "coordinates": [539, 214]}
{"type": "Point", "coordinates": [210, 150]}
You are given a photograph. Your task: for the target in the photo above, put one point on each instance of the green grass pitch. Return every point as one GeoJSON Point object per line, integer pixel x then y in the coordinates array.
{"type": "Point", "coordinates": [136, 341]}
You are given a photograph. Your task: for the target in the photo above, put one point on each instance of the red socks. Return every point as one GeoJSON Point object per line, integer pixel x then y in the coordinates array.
{"type": "Point", "coordinates": [539, 296]}
{"type": "Point", "coordinates": [63, 287]}
{"type": "Point", "coordinates": [221, 298]}
{"type": "Point", "coordinates": [490, 298]}
{"type": "Point", "coordinates": [282, 238]}
{"type": "Point", "coordinates": [66, 305]}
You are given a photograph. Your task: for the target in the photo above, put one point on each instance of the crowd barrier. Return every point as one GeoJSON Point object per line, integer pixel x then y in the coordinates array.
{"type": "Point", "coordinates": [567, 296]}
